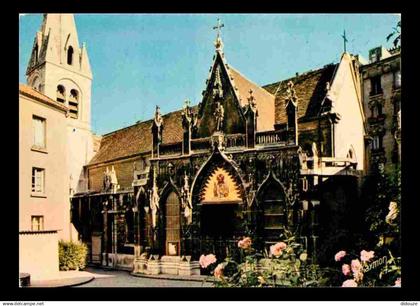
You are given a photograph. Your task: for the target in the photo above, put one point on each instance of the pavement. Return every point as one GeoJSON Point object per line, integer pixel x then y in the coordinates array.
{"type": "Point", "coordinates": [98, 277]}
{"type": "Point", "coordinates": [65, 279]}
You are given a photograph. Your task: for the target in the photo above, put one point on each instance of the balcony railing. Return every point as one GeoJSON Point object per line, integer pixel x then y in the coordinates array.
{"type": "Point", "coordinates": [171, 149]}
{"type": "Point", "coordinates": [235, 140]}
{"type": "Point", "coordinates": [271, 137]}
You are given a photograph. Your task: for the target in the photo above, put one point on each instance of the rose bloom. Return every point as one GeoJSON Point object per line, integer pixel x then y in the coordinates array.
{"type": "Point", "coordinates": [277, 249]}
{"type": "Point", "coordinates": [349, 283]}
{"type": "Point", "coordinates": [366, 256]}
{"type": "Point", "coordinates": [218, 272]}
{"type": "Point", "coordinates": [398, 282]}
{"type": "Point", "coordinates": [207, 260]}
{"type": "Point", "coordinates": [245, 243]}
{"type": "Point", "coordinates": [340, 255]}
{"type": "Point", "coordinates": [345, 269]}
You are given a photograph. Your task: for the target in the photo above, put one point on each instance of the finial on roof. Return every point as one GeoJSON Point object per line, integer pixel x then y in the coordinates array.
{"type": "Point", "coordinates": [251, 99]}
{"type": "Point", "coordinates": [218, 42]}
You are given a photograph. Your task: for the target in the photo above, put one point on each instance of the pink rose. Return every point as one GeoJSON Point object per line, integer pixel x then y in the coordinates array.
{"type": "Point", "coordinates": [366, 256]}
{"type": "Point", "coordinates": [207, 260]}
{"type": "Point", "coordinates": [245, 243]}
{"type": "Point", "coordinates": [345, 269]}
{"type": "Point", "coordinates": [398, 282]}
{"type": "Point", "coordinates": [218, 272]}
{"type": "Point", "coordinates": [349, 283]}
{"type": "Point", "coordinates": [277, 249]}
{"type": "Point", "coordinates": [340, 255]}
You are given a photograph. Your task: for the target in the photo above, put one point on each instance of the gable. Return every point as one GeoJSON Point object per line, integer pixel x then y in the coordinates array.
{"type": "Point", "coordinates": [233, 119]}
{"type": "Point", "coordinates": [310, 89]}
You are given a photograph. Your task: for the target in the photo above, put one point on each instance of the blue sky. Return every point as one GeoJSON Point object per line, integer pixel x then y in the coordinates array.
{"type": "Point", "coordinates": [142, 60]}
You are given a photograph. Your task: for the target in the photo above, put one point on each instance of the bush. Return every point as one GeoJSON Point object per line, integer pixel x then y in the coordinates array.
{"type": "Point", "coordinates": [72, 255]}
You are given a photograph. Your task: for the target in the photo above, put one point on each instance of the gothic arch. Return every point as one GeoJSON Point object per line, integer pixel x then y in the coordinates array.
{"type": "Point", "coordinates": [171, 219]}
{"type": "Point", "coordinates": [217, 159]}
{"type": "Point", "coordinates": [272, 205]}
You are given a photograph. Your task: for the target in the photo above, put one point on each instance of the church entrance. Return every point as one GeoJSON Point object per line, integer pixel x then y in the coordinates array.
{"type": "Point", "coordinates": [219, 229]}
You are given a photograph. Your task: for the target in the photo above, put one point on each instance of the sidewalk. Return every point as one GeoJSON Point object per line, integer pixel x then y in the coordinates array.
{"type": "Point", "coordinates": [66, 279]}
{"type": "Point", "coordinates": [196, 278]}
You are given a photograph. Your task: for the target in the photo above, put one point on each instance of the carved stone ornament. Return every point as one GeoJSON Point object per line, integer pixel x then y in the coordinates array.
{"type": "Point", "coordinates": [219, 114]}
{"type": "Point", "coordinates": [154, 200]}
{"type": "Point", "coordinates": [186, 200]}
{"type": "Point", "coordinates": [291, 93]}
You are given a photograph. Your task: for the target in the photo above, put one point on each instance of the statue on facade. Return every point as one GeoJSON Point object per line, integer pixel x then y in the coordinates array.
{"type": "Point", "coordinates": [291, 93]}
{"type": "Point", "coordinates": [154, 200]}
{"type": "Point", "coordinates": [219, 114]}
{"type": "Point", "coordinates": [106, 180]}
{"type": "Point", "coordinates": [220, 188]}
{"type": "Point", "coordinates": [185, 200]}
{"type": "Point", "coordinates": [159, 122]}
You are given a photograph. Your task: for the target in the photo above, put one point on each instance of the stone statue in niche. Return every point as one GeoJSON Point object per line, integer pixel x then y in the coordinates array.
{"type": "Point", "coordinates": [221, 189]}
{"type": "Point", "coordinates": [219, 114]}
{"type": "Point", "coordinates": [185, 199]}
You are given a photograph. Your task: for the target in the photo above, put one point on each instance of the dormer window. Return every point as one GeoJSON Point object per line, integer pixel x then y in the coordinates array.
{"type": "Point", "coordinates": [70, 55]}
{"type": "Point", "coordinates": [74, 103]}
{"type": "Point", "coordinates": [61, 94]}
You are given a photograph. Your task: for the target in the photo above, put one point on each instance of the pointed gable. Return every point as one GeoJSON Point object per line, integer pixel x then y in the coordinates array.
{"type": "Point", "coordinates": [220, 88]}
{"type": "Point", "coordinates": [310, 89]}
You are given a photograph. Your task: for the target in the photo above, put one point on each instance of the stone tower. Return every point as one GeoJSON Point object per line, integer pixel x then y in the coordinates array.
{"type": "Point", "coordinates": [60, 69]}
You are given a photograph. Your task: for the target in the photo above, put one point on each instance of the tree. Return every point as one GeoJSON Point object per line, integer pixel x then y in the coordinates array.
{"type": "Point", "coordinates": [396, 35]}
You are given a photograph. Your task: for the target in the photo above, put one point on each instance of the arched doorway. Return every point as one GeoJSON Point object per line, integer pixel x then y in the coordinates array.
{"type": "Point", "coordinates": [272, 209]}
{"type": "Point", "coordinates": [172, 224]}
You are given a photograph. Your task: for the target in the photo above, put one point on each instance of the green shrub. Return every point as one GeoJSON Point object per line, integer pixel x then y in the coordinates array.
{"type": "Point", "coordinates": [72, 255]}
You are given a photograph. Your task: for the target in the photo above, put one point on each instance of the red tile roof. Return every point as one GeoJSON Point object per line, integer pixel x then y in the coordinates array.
{"type": "Point", "coordinates": [137, 138]}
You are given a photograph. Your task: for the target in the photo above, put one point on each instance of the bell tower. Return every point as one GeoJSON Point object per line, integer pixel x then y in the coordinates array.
{"type": "Point", "coordinates": [59, 68]}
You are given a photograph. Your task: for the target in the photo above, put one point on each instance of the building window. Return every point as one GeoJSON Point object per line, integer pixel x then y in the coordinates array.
{"type": "Point", "coordinates": [377, 142]}
{"type": "Point", "coordinates": [70, 56]}
{"type": "Point", "coordinates": [376, 110]}
{"type": "Point", "coordinates": [61, 94]}
{"type": "Point", "coordinates": [38, 180]}
{"type": "Point", "coordinates": [375, 86]}
{"type": "Point", "coordinates": [38, 126]}
{"type": "Point", "coordinates": [397, 79]}
{"type": "Point", "coordinates": [74, 103]}
{"type": "Point", "coordinates": [37, 223]}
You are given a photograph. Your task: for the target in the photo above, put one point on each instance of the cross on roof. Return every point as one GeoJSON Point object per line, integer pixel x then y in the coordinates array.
{"type": "Point", "coordinates": [345, 40]}
{"type": "Point", "coordinates": [218, 27]}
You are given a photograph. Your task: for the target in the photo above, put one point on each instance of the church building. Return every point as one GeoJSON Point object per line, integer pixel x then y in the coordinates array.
{"type": "Point", "coordinates": [247, 160]}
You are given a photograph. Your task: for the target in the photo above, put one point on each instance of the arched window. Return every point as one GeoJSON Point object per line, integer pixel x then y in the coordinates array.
{"type": "Point", "coordinates": [173, 224]}
{"type": "Point", "coordinates": [61, 94]}
{"type": "Point", "coordinates": [74, 103]}
{"type": "Point", "coordinates": [70, 55]}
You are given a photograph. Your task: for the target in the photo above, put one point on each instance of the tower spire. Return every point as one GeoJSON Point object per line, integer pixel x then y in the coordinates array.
{"type": "Point", "coordinates": [218, 42]}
